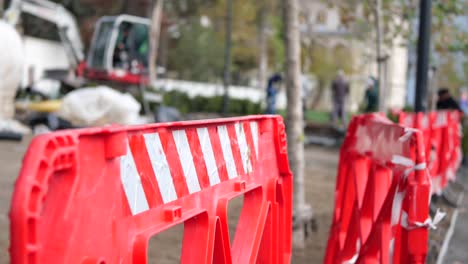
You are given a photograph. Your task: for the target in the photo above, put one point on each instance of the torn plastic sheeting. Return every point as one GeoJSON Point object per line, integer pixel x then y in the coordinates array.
{"type": "Point", "coordinates": [409, 120]}
{"type": "Point", "coordinates": [384, 143]}
{"type": "Point", "coordinates": [381, 118]}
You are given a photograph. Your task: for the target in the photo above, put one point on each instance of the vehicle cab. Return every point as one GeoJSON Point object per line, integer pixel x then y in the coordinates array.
{"type": "Point", "coordinates": [119, 50]}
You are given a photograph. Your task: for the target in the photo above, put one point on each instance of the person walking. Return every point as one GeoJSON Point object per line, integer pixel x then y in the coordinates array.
{"type": "Point", "coordinates": [340, 91]}
{"type": "Point", "coordinates": [272, 91]}
{"type": "Point", "coordinates": [445, 101]}
{"type": "Point", "coordinates": [371, 96]}
{"type": "Point", "coordinates": [464, 101]}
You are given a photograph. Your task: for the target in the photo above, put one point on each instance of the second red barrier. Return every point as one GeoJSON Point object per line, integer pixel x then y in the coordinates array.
{"type": "Point", "coordinates": [442, 137]}
{"type": "Point", "coordinates": [382, 195]}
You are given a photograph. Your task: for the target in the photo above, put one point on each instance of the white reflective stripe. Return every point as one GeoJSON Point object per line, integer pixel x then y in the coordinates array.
{"type": "Point", "coordinates": [409, 121]}
{"type": "Point", "coordinates": [186, 160]}
{"type": "Point", "coordinates": [436, 186]}
{"type": "Point", "coordinates": [425, 121]}
{"type": "Point", "coordinates": [391, 250]}
{"type": "Point", "coordinates": [441, 119]}
{"type": "Point", "coordinates": [160, 167]}
{"type": "Point", "coordinates": [396, 207]}
{"type": "Point", "coordinates": [227, 151]}
{"type": "Point", "coordinates": [244, 149]}
{"type": "Point", "coordinates": [420, 166]}
{"type": "Point", "coordinates": [132, 184]}
{"type": "Point", "coordinates": [254, 131]}
{"type": "Point", "coordinates": [208, 155]}
{"type": "Point", "coordinates": [353, 259]}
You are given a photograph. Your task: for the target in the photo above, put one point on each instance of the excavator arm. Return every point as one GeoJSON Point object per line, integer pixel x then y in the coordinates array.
{"type": "Point", "coordinates": [56, 14]}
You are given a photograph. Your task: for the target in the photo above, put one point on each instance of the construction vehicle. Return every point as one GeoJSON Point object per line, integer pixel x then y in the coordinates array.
{"type": "Point", "coordinates": [118, 51]}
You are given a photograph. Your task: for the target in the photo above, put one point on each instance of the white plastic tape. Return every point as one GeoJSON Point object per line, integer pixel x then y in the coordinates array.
{"type": "Point", "coordinates": [354, 259]}
{"type": "Point", "coordinates": [404, 161]}
{"type": "Point", "coordinates": [428, 223]}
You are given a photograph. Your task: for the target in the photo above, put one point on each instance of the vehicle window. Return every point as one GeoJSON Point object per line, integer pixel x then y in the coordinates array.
{"type": "Point", "coordinates": [132, 46]}
{"type": "Point", "coordinates": [99, 47]}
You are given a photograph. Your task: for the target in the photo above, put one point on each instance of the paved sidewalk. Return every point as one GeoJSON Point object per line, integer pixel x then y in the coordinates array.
{"type": "Point", "coordinates": [457, 252]}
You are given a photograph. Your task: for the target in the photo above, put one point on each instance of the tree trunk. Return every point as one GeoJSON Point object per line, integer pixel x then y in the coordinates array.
{"type": "Point", "coordinates": [380, 59]}
{"type": "Point", "coordinates": [2, 3]}
{"type": "Point", "coordinates": [163, 47]}
{"type": "Point", "coordinates": [294, 119]}
{"type": "Point", "coordinates": [154, 39]}
{"type": "Point", "coordinates": [227, 57]}
{"type": "Point", "coordinates": [262, 46]}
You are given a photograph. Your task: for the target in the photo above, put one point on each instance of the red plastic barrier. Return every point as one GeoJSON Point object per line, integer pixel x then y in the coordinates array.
{"type": "Point", "coordinates": [98, 195]}
{"type": "Point", "coordinates": [456, 134]}
{"type": "Point", "coordinates": [442, 137]}
{"type": "Point", "coordinates": [382, 196]}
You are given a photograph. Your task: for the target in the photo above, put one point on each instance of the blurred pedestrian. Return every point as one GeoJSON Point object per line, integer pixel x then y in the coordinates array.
{"type": "Point", "coordinates": [445, 101]}
{"type": "Point", "coordinates": [464, 101]}
{"type": "Point", "coordinates": [371, 96]}
{"type": "Point", "coordinates": [464, 107]}
{"type": "Point", "coordinates": [340, 91]}
{"type": "Point", "coordinates": [272, 91]}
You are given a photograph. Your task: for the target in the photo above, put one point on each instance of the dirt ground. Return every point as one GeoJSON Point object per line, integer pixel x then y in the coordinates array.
{"type": "Point", "coordinates": [321, 166]}
{"type": "Point", "coordinates": [11, 154]}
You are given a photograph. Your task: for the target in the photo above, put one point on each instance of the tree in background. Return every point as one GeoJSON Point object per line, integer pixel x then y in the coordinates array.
{"type": "Point", "coordinates": [270, 32]}
{"type": "Point", "coordinates": [244, 32]}
{"type": "Point", "coordinates": [155, 28]}
{"type": "Point", "coordinates": [2, 7]}
{"type": "Point", "coordinates": [294, 125]}
{"type": "Point", "coordinates": [276, 47]}
{"type": "Point", "coordinates": [324, 64]}
{"type": "Point", "coordinates": [450, 77]}
{"type": "Point", "coordinates": [227, 56]}
{"type": "Point", "coordinates": [191, 57]}
{"type": "Point", "coordinates": [398, 20]}
{"type": "Point", "coordinates": [262, 20]}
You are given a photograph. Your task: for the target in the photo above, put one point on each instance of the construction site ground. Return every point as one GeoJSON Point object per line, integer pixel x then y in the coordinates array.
{"type": "Point", "coordinates": [457, 252]}
{"type": "Point", "coordinates": [321, 164]}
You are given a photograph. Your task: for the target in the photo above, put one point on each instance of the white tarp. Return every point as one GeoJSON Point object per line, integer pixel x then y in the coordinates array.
{"type": "Point", "coordinates": [11, 68]}
{"type": "Point", "coordinates": [99, 106]}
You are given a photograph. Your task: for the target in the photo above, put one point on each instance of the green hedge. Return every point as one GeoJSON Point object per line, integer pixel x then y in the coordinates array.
{"type": "Point", "coordinates": [199, 104]}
